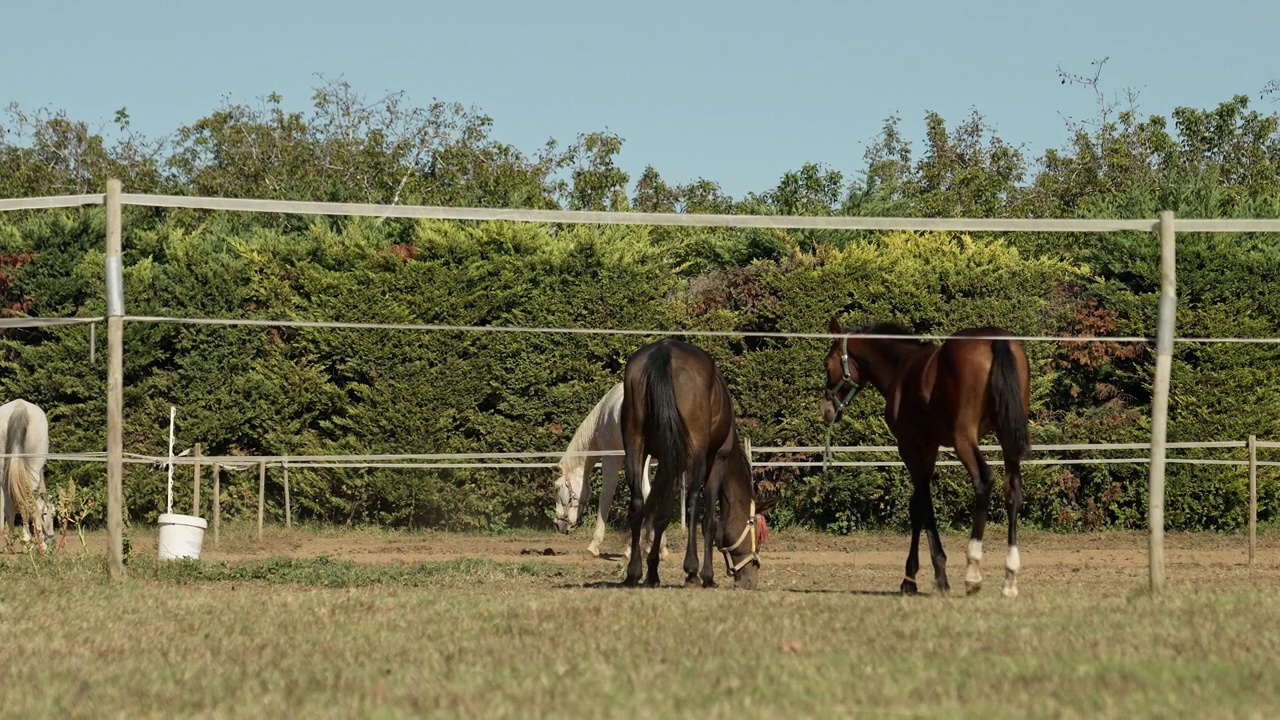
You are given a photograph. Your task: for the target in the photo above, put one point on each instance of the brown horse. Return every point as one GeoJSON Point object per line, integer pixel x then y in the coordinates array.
{"type": "Point", "coordinates": [942, 395]}
{"type": "Point", "coordinates": [677, 408]}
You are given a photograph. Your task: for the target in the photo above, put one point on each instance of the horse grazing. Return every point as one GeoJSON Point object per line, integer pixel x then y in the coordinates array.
{"type": "Point", "coordinates": [601, 430]}
{"type": "Point", "coordinates": [25, 431]}
{"type": "Point", "coordinates": [942, 395]}
{"type": "Point", "coordinates": [677, 408]}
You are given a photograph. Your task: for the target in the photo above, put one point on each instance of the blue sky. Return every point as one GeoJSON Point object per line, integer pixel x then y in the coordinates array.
{"type": "Point", "coordinates": [736, 92]}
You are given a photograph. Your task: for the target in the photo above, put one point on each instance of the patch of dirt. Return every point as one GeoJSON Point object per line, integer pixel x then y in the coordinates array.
{"type": "Point", "coordinates": [793, 561]}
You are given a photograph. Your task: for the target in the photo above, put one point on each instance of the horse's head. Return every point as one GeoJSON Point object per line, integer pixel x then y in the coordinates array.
{"type": "Point", "coordinates": [742, 525]}
{"type": "Point", "coordinates": [569, 499]}
{"type": "Point", "coordinates": [844, 379]}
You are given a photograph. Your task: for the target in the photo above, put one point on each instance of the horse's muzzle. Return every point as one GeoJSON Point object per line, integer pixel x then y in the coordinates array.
{"type": "Point", "coordinates": [828, 409]}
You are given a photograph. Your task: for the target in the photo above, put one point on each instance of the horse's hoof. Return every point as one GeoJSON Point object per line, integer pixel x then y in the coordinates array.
{"type": "Point", "coordinates": [630, 581]}
{"type": "Point", "coordinates": [652, 582]}
{"type": "Point", "coordinates": [692, 582]}
{"type": "Point", "coordinates": [971, 588]}
{"type": "Point", "coordinates": [908, 587]}
{"type": "Point", "coordinates": [708, 583]}
{"type": "Point", "coordinates": [1010, 591]}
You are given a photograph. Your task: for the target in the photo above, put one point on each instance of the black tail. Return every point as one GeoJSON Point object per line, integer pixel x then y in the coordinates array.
{"type": "Point", "coordinates": [665, 432]}
{"type": "Point", "coordinates": [1006, 391]}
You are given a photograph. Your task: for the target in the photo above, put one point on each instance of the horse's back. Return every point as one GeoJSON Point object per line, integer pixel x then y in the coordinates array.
{"type": "Point", "coordinates": [36, 436]}
{"type": "Point", "coordinates": [701, 393]}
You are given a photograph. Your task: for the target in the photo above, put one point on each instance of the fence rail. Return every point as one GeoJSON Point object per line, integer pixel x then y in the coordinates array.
{"type": "Point", "coordinates": [489, 459]}
{"type": "Point", "coordinates": [794, 222]}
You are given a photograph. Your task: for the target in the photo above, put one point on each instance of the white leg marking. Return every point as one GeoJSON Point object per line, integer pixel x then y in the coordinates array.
{"type": "Point", "coordinates": [973, 573]}
{"type": "Point", "coordinates": [1012, 564]}
{"type": "Point", "coordinates": [975, 550]}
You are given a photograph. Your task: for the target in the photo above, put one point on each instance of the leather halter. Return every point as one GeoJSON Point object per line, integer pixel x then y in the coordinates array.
{"type": "Point", "coordinates": [570, 505]}
{"type": "Point", "coordinates": [841, 403]}
{"type": "Point", "coordinates": [748, 531]}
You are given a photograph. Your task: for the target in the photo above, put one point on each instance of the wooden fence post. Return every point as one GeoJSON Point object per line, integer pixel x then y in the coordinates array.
{"type": "Point", "coordinates": [1160, 399]}
{"type": "Point", "coordinates": [195, 480]}
{"type": "Point", "coordinates": [217, 501]}
{"type": "Point", "coordinates": [262, 494]}
{"type": "Point", "coordinates": [288, 508]}
{"type": "Point", "coordinates": [1253, 496]}
{"type": "Point", "coordinates": [114, 267]}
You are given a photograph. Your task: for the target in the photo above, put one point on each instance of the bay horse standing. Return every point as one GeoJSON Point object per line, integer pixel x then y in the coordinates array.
{"type": "Point", "coordinates": [942, 395]}
{"type": "Point", "coordinates": [677, 408]}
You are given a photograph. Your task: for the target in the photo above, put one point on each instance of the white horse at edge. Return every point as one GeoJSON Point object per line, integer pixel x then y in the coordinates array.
{"type": "Point", "coordinates": [24, 430]}
{"type": "Point", "coordinates": [600, 431]}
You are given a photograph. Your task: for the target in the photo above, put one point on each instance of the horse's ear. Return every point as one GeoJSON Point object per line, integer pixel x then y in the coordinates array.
{"type": "Point", "coordinates": [835, 328]}
{"type": "Point", "coordinates": [764, 506]}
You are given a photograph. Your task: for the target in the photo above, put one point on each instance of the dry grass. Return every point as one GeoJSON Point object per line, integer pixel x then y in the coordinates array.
{"type": "Point", "coordinates": [248, 632]}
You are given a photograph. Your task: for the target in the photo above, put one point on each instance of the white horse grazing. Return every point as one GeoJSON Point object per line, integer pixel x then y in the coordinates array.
{"type": "Point", "coordinates": [25, 431]}
{"type": "Point", "coordinates": [600, 431]}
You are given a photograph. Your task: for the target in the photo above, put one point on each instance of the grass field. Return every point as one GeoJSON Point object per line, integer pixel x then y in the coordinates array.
{"type": "Point", "coordinates": [332, 623]}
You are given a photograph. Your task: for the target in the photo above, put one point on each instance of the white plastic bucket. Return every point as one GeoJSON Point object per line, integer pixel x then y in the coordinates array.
{"type": "Point", "coordinates": [181, 536]}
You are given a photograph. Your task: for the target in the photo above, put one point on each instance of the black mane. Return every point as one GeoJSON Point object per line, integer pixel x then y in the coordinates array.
{"type": "Point", "coordinates": [886, 327]}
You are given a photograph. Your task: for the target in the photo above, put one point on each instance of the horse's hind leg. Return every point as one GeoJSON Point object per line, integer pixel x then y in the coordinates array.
{"type": "Point", "coordinates": [663, 544]}
{"type": "Point", "coordinates": [7, 514]}
{"type": "Point", "coordinates": [647, 538]}
{"type": "Point", "coordinates": [691, 541]}
{"type": "Point", "coordinates": [661, 517]}
{"type": "Point", "coordinates": [1013, 502]}
{"type": "Point", "coordinates": [634, 445]}
{"type": "Point", "coordinates": [971, 458]}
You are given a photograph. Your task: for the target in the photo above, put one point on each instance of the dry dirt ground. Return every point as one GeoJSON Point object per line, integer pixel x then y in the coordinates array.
{"type": "Point", "coordinates": [791, 560]}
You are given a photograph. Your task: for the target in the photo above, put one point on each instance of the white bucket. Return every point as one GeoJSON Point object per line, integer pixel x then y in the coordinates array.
{"type": "Point", "coordinates": [181, 536]}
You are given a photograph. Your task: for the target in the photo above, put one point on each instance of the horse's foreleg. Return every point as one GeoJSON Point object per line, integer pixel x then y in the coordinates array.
{"type": "Point", "coordinates": [920, 463]}
{"type": "Point", "coordinates": [610, 468]}
{"type": "Point", "coordinates": [909, 586]}
{"type": "Point", "coordinates": [1013, 502]}
{"type": "Point", "coordinates": [938, 554]}
{"type": "Point", "coordinates": [710, 514]}
{"type": "Point", "coordinates": [971, 458]}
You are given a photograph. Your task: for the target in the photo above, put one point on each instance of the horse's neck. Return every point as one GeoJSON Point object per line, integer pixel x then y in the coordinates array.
{"type": "Point", "coordinates": [884, 361]}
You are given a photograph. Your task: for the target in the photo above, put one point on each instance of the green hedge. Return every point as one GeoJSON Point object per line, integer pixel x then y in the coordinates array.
{"type": "Point", "coordinates": [255, 390]}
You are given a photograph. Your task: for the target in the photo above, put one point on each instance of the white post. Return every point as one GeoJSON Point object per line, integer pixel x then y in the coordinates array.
{"type": "Point", "coordinates": [1253, 496]}
{"type": "Point", "coordinates": [173, 413]}
{"type": "Point", "coordinates": [196, 452]}
{"type": "Point", "coordinates": [217, 502]}
{"type": "Point", "coordinates": [1160, 398]}
{"type": "Point", "coordinates": [288, 508]}
{"type": "Point", "coordinates": [262, 494]}
{"type": "Point", "coordinates": [114, 267]}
